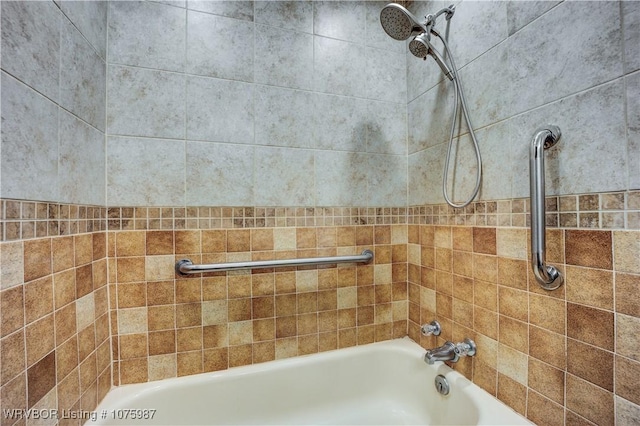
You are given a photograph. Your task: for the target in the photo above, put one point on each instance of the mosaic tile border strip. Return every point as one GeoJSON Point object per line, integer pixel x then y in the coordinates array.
{"type": "Point", "coordinates": [615, 210]}
{"type": "Point", "coordinates": [130, 218]}
{"type": "Point", "coordinates": [21, 219]}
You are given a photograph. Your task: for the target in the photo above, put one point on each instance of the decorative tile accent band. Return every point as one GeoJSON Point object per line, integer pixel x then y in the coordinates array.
{"type": "Point", "coordinates": [616, 210]}
{"type": "Point", "coordinates": [21, 219]}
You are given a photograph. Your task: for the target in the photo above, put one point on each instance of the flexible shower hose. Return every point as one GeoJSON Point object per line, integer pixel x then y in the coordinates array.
{"type": "Point", "coordinates": [459, 99]}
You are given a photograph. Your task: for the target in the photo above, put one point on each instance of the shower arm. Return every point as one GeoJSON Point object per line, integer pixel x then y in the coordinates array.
{"type": "Point", "coordinates": [431, 19]}
{"type": "Point", "coordinates": [549, 277]}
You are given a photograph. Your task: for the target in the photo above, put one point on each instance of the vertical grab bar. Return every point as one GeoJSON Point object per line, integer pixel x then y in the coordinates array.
{"type": "Point", "coordinates": [544, 138]}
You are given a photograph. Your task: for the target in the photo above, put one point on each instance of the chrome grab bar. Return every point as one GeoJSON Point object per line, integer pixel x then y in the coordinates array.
{"type": "Point", "coordinates": [547, 276]}
{"type": "Point", "coordinates": [186, 267]}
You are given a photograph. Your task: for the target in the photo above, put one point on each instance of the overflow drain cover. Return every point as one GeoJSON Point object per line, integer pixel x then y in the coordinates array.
{"type": "Point", "coordinates": [442, 385]}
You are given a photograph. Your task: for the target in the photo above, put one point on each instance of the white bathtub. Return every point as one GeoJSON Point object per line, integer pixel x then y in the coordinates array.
{"type": "Point", "coordinates": [378, 384]}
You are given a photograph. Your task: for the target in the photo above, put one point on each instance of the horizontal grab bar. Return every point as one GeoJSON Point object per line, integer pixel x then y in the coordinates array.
{"type": "Point", "coordinates": [186, 267]}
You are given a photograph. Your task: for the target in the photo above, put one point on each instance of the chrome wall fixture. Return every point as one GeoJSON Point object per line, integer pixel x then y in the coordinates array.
{"type": "Point", "coordinates": [186, 267]}
{"type": "Point", "coordinates": [549, 277]}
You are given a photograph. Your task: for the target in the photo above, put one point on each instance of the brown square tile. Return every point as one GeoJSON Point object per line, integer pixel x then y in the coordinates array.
{"type": "Point", "coordinates": [485, 268]}
{"type": "Point", "coordinates": [87, 342]}
{"type": "Point", "coordinates": [160, 293]}
{"type": "Point", "coordinates": [486, 295]}
{"type": "Point", "coordinates": [308, 344]}
{"type": "Point", "coordinates": [346, 318]}
{"type": "Point", "coordinates": [327, 279]}
{"type": "Point", "coordinates": [463, 238]}
{"type": "Point", "coordinates": [547, 380]}
{"type": "Point", "coordinates": [485, 377]}
{"type": "Point", "coordinates": [261, 239]}
{"type": "Point", "coordinates": [63, 253]}
{"type": "Point", "coordinates": [41, 378]}
{"type": "Point", "coordinates": [39, 338]}
{"type": "Point", "coordinates": [214, 288]}
{"type": "Point", "coordinates": [264, 351]}
{"type": "Point", "coordinates": [37, 258]}
{"type": "Point", "coordinates": [512, 393]}
{"type": "Point", "coordinates": [307, 324]}
{"type": "Point", "coordinates": [444, 259]}
{"type": "Point", "coordinates": [68, 391]}
{"type": "Point", "coordinates": [365, 295]}
{"type": "Point", "coordinates": [398, 253]}
{"type": "Point", "coordinates": [65, 322]}
{"type": "Point", "coordinates": [237, 240]}
{"type": "Point", "coordinates": [485, 322]}
{"type": "Point", "coordinates": [13, 355]}
{"type": "Point", "coordinates": [513, 303]}
{"type": "Point", "coordinates": [83, 244]}
{"type": "Point", "coordinates": [189, 339]}
{"type": "Point", "coordinates": [285, 305]}
{"type": "Point", "coordinates": [66, 358]}
{"type": "Point", "coordinates": [306, 238]}
{"type": "Point", "coordinates": [159, 242]}
{"type": "Point", "coordinates": [215, 359]}
{"type": "Point", "coordinates": [589, 248]}
{"type": "Point", "coordinates": [264, 329]}
{"type": "Point", "coordinates": [262, 307]}
{"type": "Point", "coordinates": [627, 373]}
{"type": "Point", "coordinates": [99, 245]}
{"type": "Point", "coordinates": [187, 242]}
{"type": "Point", "coordinates": [188, 290]}
{"type": "Point", "coordinates": [512, 273]}
{"type": "Point", "coordinates": [162, 342]}
{"type": "Point", "coordinates": [382, 234]}
{"type": "Point", "coordinates": [189, 315]}
{"type": "Point", "coordinates": [239, 286]}
{"type": "Point", "coordinates": [286, 326]}
{"type": "Point", "coordinates": [12, 308]}
{"type": "Point", "coordinates": [462, 263]}
{"type": "Point", "coordinates": [84, 280]}
{"type": "Point", "coordinates": [547, 346]}
{"type": "Point", "coordinates": [133, 346]}
{"type": "Point", "coordinates": [364, 235]}
{"type": "Point", "coordinates": [589, 401]}
{"type": "Point", "coordinates": [130, 269]}
{"type": "Point", "coordinates": [587, 286]}
{"type": "Point", "coordinates": [328, 321]}
{"type": "Point", "coordinates": [130, 243]}
{"type": "Point", "coordinates": [514, 333]}
{"type": "Point", "coordinates": [64, 284]}
{"type": "Point", "coordinates": [365, 315]}
{"type": "Point", "coordinates": [328, 341]}
{"type": "Point", "coordinates": [365, 275]}
{"type": "Point", "coordinates": [239, 309]}
{"type": "Point", "coordinates": [240, 355]}
{"type": "Point", "coordinates": [547, 312]}
{"type": "Point", "coordinates": [262, 285]}
{"type": "Point", "coordinates": [484, 240]}
{"type": "Point", "coordinates": [346, 236]}
{"type": "Point", "coordinates": [161, 317]}
{"type": "Point", "coordinates": [543, 411]}
{"type": "Point", "coordinates": [628, 294]}
{"type": "Point", "coordinates": [581, 360]}
{"type": "Point", "coordinates": [132, 295]}
{"type": "Point", "coordinates": [328, 300]}
{"type": "Point", "coordinates": [593, 326]}
{"type": "Point", "coordinates": [347, 338]}
{"type": "Point", "coordinates": [134, 371]}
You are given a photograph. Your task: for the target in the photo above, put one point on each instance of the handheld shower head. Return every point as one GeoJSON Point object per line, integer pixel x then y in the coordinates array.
{"type": "Point", "coordinates": [421, 46]}
{"type": "Point", "coordinates": [399, 23]}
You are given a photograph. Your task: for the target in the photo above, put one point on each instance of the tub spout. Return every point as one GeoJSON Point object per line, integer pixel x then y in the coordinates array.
{"type": "Point", "coordinates": [450, 352]}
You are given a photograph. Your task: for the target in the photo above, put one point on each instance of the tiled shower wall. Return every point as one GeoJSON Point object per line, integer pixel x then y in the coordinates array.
{"type": "Point", "coordinates": [254, 104]}
{"type": "Point", "coordinates": [524, 64]}
{"type": "Point", "coordinates": [342, 103]}
{"type": "Point", "coordinates": [560, 357]}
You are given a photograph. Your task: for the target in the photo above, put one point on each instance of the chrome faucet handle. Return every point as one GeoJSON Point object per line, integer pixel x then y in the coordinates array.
{"type": "Point", "coordinates": [466, 348]}
{"type": "Point", "coordinates": [433, 328]}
